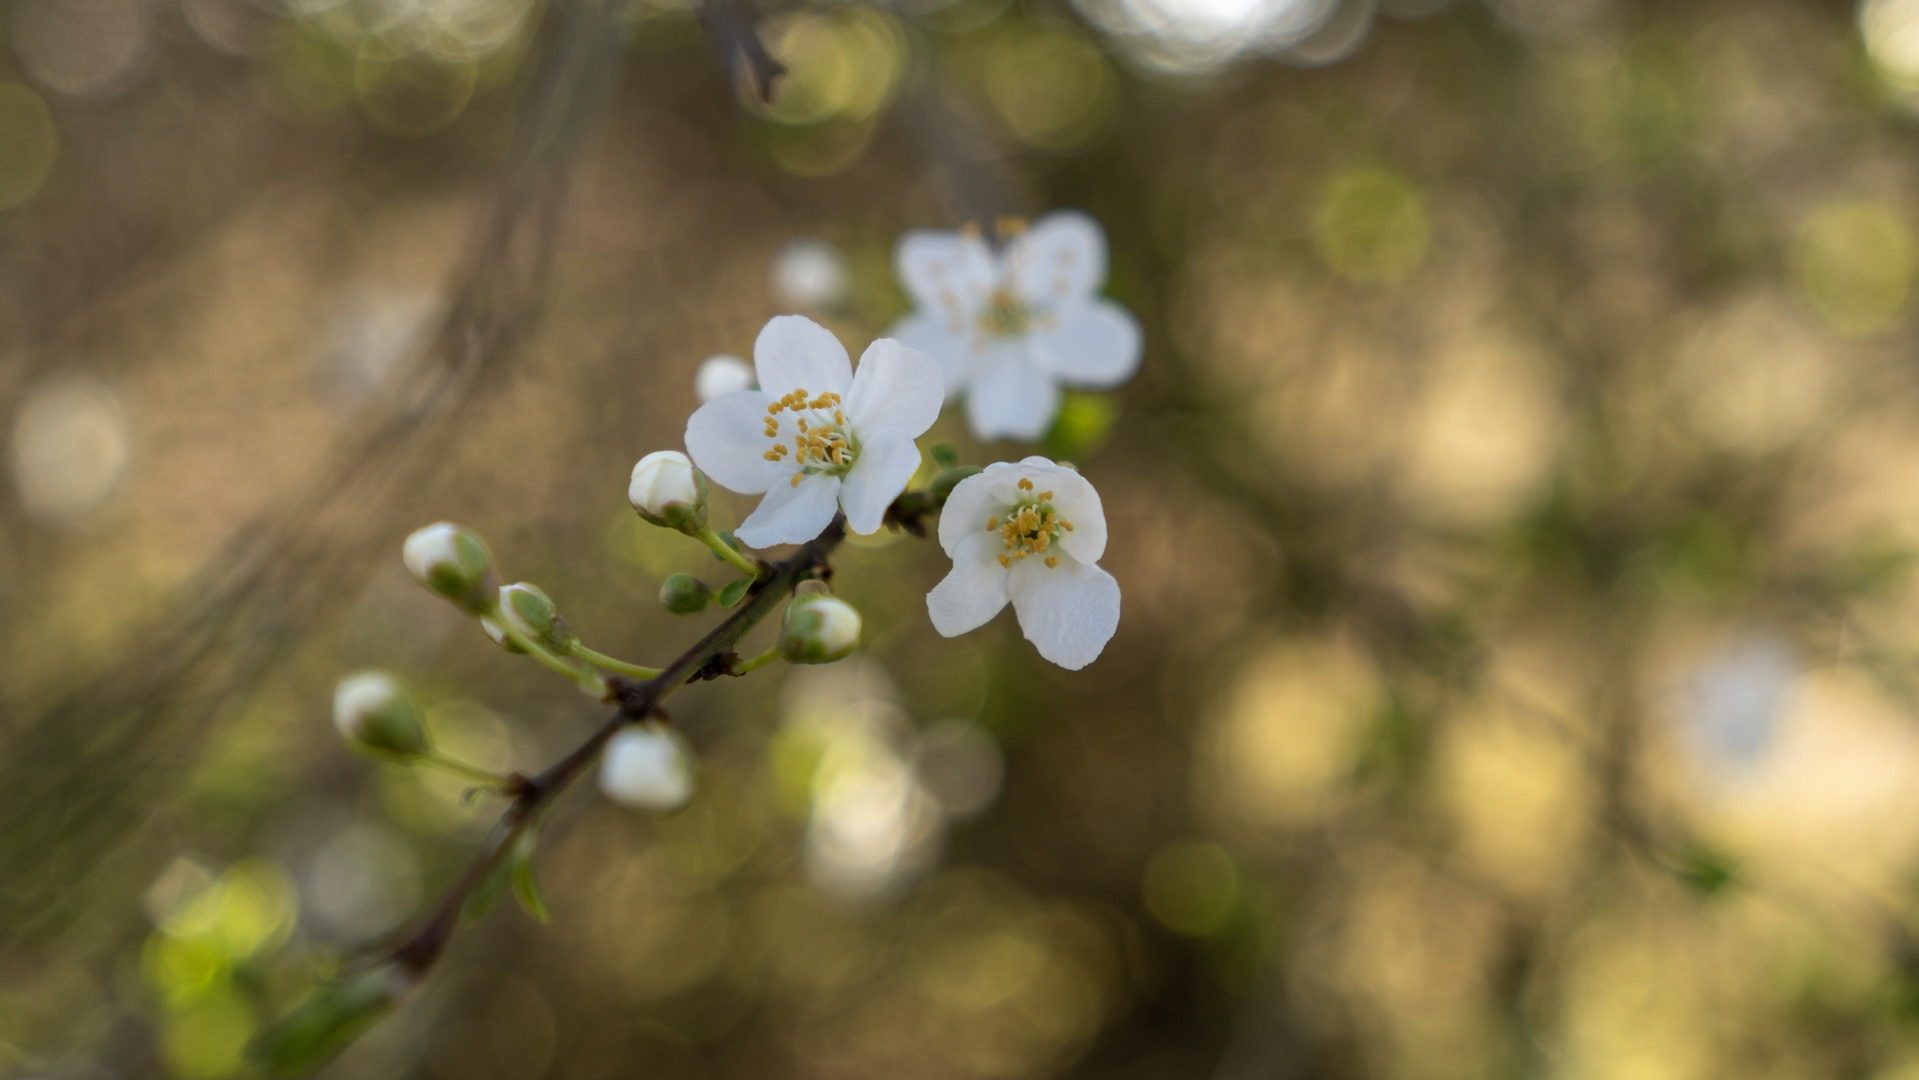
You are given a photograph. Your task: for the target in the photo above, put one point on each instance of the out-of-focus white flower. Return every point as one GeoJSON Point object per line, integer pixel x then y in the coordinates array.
{"type": "Point", "coordinates": [1031, 534]}
{"type": "Point", "coordinates": [720, 375]}
{"type": "Point", "coordinates": [809, 274]}
{"type": "Point", "coordinates": [818, 629]}
{"type": "Point", "coordinates": [1011, 327]}
{"type": "Point", "coordinates": [453, 561]}
{"type": "Point", "coordinates": [647, 767]}
{"type": "Point", "coordinates": [668, 491]}
{"type": "Point", "coordinates": [817, 436]}
{"type": "Point", "coordinates": [375, 714]}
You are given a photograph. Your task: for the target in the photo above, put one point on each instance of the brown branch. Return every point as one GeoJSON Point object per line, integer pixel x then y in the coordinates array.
{"type": "Point", "coordinates": [713, 654]}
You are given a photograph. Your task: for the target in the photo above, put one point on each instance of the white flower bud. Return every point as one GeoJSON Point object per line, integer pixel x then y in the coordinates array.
{"type": "Point", "coordinates": [722, 375]}
{"type": "Point", "coordinates": [668, 491]}
{"type": "Point", "coordinates": [530, 611]}
{"type": "Point", "coordinates": [375, 715]}
{"type": "Point", "coordinates": [819, 628]}
{"type": "Point", "coordinates": [648, 767]}
{"type": "Point", "coordinates": [453, 561]}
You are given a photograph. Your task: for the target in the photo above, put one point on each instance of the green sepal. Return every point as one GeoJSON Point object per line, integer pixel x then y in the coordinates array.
{"type": "Point", "coordinates": [734, 590]}
{"type": "Point", "coordinates": [944, 455]}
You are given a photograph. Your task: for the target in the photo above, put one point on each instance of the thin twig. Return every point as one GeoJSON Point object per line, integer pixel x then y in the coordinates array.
{"type": "Point", "coordinates": [711, 657]}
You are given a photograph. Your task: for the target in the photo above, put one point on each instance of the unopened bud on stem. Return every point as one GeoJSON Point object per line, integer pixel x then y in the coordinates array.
{"type": "Point", "coordinates": [531, 612]}
{"type": "Point", "coordinates": [819, 628]}
{"type": "Point", "coordinates": [684, 594]}
{"type": "Point", "coordinates": [453, 561]}
{"type": "Point", "coordinates": [375, 715]}
{"type": "Point", "coordinates": [668, 491]}
{"type": "Point", "coordinates": [647, 767]}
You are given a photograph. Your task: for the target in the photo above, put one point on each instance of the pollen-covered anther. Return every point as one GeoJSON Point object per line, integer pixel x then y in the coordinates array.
{"type": "Point", "coordinates": [1029, 530]}
{"type": "Point", "coordinates": [1025, 484]}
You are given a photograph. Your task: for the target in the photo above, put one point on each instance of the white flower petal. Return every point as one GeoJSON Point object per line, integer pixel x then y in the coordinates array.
{"type": "Point", "coordinates": [1010, 398]}
{"type": "Point", "coordinates": [990, 493]}
{"type": "Point", "coordinates": [1096, 344]}
{"type": "Point", "coordinates": [795, 353]}
{"type": "Point", "coordinates": [726, 438]}
{"type": "Point", "coordinates": [944, 339]}
{"type": "Point", "coordinates": [897, 391]}
{"type": "Point", "coordinates": [1069, 612]}
{"type": "Point", "coordinates": [792, 515]}
{"type": "Point", "coordinates": [1060, 259]}
{"type": "Point", "coordinates": [946, 273]}
{"type": "Point", "coordinates": [973, 592]}
{"type": "Point", "coordinates": [876, 479]}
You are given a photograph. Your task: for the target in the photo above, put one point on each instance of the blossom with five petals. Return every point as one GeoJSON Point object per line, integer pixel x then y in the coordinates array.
{"type": "Point", "coordinates": [1011, 328]}
{"type": "Point", "coordinates": [817, 436]}
{"type": "Point", "coordinates": [1031, 534]}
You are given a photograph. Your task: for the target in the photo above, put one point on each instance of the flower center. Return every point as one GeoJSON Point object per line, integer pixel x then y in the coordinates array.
{"type": "Point", "coordinates": [1030, 528]}
{"type": "Point", "coordinates": [1005, 315]}
{"type": "Point", "coordinates": [822, 440]}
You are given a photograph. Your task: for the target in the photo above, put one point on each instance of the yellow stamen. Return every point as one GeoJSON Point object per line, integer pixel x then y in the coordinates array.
{"type": "Point", "coordinates": [1006, 562]}
{"type": "Point", "coordinates": [1025, 485]}
{"type": "Point", "coordinates": [771, 455]}
{"type": "Point", "coordinates": [1052, 562]}
{"type": "Point", "coordinates": [796, 479]}
{"type": "Point", "coordinates": [1067, 525]}
{"type": "Point", "coordinates": [1044, 496]}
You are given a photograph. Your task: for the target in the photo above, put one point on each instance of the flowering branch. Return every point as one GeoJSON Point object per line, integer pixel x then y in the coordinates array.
{"type": "Point", "coordinates": [712, 657]}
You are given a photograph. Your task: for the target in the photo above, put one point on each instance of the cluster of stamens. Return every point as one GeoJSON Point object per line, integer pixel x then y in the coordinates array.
{"type": "Point", "coordinates": [816, 447]}
{"type": "Point", "coordinates": [1005, 315]}
{"type": "Point", "coordinates": [1029, 529]}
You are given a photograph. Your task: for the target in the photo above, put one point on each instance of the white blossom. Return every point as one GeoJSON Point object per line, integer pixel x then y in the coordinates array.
{"type": "Point", "coordinates": [817, 436]}
{"type": "Point", "coordinates": [809, 273]}
{"type": "Point", "coordinates": [1010, 328]}
{"type": "Point", "coordinates": [647, 767]}
{"type": "Point", "coordinates": [1031, 534]}
{"type": "Point", "coordinates": [721, 374]}
{"type": "Point", "coordinates": [666, 490]}
{"type": "Point", "coordinates": [819, 629]}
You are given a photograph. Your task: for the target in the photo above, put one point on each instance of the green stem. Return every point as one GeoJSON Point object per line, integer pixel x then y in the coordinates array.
{"type": "Point", "coordinates": [588, 681]}
{"type": "Point", "coordinates": [462, 769]}
{"type": "Point", "coordinates": [600, 659]}
{"type": "Point", "coordinates": [726, 551]}
{"type": "Point", "coordinates": [759, 661]}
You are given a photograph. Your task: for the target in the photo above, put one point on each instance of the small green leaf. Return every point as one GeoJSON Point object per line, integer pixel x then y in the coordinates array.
{"type": "Point", "coordinates": [526, 886]}
{"type": "Point", "coordinates": [944, 455]}
{"type": "Point", "coordinates": [1707, 872]}
{"type": "Point", "coordinates": [498, 881]}
{"type": "Point", "coordinates": [726, 537]}
{"type": "Point", "coordinates": [734, 589]}
{"type": "Point", "coordinates": [327, 1022]}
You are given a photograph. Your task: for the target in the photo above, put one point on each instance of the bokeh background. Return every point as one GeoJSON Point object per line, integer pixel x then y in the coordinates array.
{"type": "Point", "coordinates": [1519, 665]}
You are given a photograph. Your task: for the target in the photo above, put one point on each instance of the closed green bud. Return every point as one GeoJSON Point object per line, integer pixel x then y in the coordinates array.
{"type": "Point", "coordinates": [376, 715]}
{"type": "Point", "coordinates": [668, 491]}
{"type": "Point", "coordinates": [819, 628]}
{"type": "Point", "coordinates": [453, 561]}
{"type": "Point", "coordinates": [530, 611]}
{"type": "Point", "coordinates": [684, 594]}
